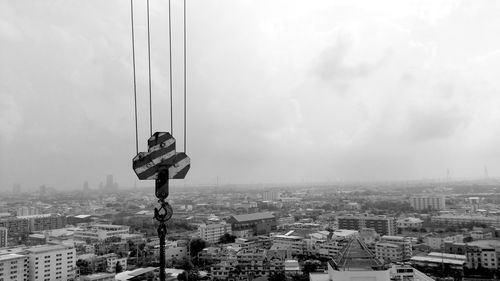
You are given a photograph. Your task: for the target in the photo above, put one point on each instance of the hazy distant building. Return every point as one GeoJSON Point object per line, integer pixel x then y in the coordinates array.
{"type": "Point", "coordinates": [110, 184]}
{"type": "Point", "coordinates": [16, 189]}
{"type": "Point", "coordinates": [252, 224]}
{"type": "Point", "coordinates": [3, 237]}
{"type": "Point", "coordinates": [383, 225]}
{"type": "Point", "coordinates": [46, 222]}
{"type": "Point", "coordinates": [271, 195]}
{"type": "Point", "coordinates": [214, 231]}
{"type": "Point", "coordinates": [461, 220]}
{"type": "Point", "coordinates": [27, 211]}
{"type": "Point", "coordinates": [86, 186]}
{"type": "Point", "coordinates": [428, 202]}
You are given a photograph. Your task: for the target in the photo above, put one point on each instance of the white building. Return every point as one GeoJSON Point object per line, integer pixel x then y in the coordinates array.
{"type": "Point", "coordinates": [100, 232]}
{"type": "Point", "coordinates": [393, 248]}
{"type": "Point", "coordinates": [112, 260]}
{"type": "Point", "coordinates": [437, 242]}
{"type": "Point", "coordinates": [14, 267]}
{"type": "Point", "coordinates": [295, 244]}
{"type": "Point", "coordinates": [27, 211]}
{"type": "Point", "coordinates": [409, 223]}
{"type": "Point", "coordinates": [213, 232]}
{"type": "Point", "coordinates": [176, 249]}
{"type": "Point", "coordinates": [432, 202]}
{"type": "Point", "coordinates": [51, 262]}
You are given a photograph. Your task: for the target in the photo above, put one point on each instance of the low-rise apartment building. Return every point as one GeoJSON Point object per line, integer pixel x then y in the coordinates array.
{"type": "Point", "coordinates": [51, 262]}
{"type": "Point", "coordinates": [214, 231]}
{"type": "Point", "coordinates": [14, 267]}
{"type": "Point", "coordinates": [100, 232]}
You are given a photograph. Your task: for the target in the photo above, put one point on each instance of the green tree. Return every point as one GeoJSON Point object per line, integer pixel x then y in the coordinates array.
{"type": "Point", "coordinates": [277, 276]}
{"type": "Point", "coordinates": [118, 268]}
{"type": "Point", "coordinates": [191, 275]}
{"type": "Point", "coordinates": [196, 246]}
{"type": "Point", "coordinates": [227, 238]}
{"type": "Point", "coordinates": [310, 266]}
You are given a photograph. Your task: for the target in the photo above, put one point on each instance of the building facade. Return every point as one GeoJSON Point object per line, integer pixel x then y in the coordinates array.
{"type": "Point", "coordinates": [14, 267]}
{"type": "Point", "coordinates": [3, 237]}
{"type": "Point", "coordinates": [428, 202]}
{"type": "Point", "coordinates": [383, 225]}
{"type": "Point", "coordinates": [52, 262]}
{"type": "Point", "coordinates": [252, 224]}
{"type": "Point", "coordinates": [100, 232]}
{"type": "Point", "coordinates": [393, 248]}
{"type": "Point", "coordinates": [213, 232]}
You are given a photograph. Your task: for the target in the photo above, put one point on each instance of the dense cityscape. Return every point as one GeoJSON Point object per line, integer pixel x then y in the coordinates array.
{"type": "Point", "coordinates": [420, 230]}
{"type": "Point", "coordinates": [242, 140]}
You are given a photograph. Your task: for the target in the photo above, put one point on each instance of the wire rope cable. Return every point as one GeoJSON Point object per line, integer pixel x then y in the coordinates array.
{"type": "Point", "coordinates": [135, 80]}
{"type": "Point", "coordinates": [185, 82]}
{"type": "Point", "coordinates": [149, 74]}
{"type": "Point", "coordinates": [170, 62]}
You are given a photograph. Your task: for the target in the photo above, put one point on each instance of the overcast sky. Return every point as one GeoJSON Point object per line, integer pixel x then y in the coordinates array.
{"type": "Point", "coordinates": [278, 91]}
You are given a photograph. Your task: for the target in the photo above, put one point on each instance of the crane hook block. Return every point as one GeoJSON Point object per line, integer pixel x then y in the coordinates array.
{"type": "Point", "coordinates": [161, 155]}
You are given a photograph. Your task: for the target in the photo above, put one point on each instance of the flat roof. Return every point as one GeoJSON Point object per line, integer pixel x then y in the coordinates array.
{"type": "Point", "coordinates": [451, 256]}
{"type": "Point", "coordinates": [254, 216]}
{"type": "Point", "coordinates": [46, 248]}
{"type": "Point", "coordinates": [10, 257]}
{"type": "Point", "coordinates": [438, 260]}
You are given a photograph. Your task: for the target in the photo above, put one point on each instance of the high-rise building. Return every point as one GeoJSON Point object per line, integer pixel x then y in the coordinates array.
{"type": "Point", "coordinates": [428, 202]}
{"type": "Point", "coordinates": [383, 225]}
{"type": "Point", "coordinates": [52, 262]}
{"type": "Point", "coordinates": [3, 237]}
{"type": "Point", "coordinates": [110, 184]}
{"type": "Point", "coordinates": [214, 231]}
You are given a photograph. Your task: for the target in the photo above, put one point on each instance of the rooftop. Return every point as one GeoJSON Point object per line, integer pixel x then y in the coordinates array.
{"type": "Point", "coordinates": [47, 248]}
{"type": "Point", "coordinates": [253, 217]}
{"type": "Point", "coordinates": [10, 257]}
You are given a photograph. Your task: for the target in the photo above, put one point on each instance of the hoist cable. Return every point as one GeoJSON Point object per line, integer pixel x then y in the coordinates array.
{"type": "Point", "coordinates": [170, 62]}
{"type": "Point", "coordinates": [185, 91]}
{"type": "Point", "coordinates": [135, 81]}
{"type": "Point", "coordinates": [149, 73]}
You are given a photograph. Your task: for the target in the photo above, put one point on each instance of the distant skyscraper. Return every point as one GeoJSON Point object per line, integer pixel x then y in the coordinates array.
{"type": "Point", "coordinates": [16, 189]}
{"type": "Point", "coordinates": [110, 184]}
{"type": "Point", "coordinates": [85, 185]}
{"type": "Point", "coordinates": [42, 191]}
